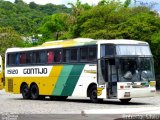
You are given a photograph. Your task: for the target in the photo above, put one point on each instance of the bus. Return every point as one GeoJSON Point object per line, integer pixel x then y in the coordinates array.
{"type": "Point", "coordinates": [1, 73]}
{"type": "Point", "coordinates": [98, 69]}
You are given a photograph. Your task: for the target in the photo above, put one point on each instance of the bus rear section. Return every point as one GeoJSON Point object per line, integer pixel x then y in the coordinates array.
{"type": "Point", "coordinates": [1, 73]}
{"type": "Point", "coordinates": [57, 72]}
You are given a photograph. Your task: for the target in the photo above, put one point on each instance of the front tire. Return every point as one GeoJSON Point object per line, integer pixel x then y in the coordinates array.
{"type": "Point", "coordinates": [25, 92]}
{"type": "Point", "coordinates": [93, 94]}
{"type": "Point", "coordinates": [34, 92]}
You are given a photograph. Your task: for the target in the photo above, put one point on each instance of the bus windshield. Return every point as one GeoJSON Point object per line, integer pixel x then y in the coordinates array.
{"type": "Point", "coordinates": [136, 69]}
{"type": "Point", "coordinates": [133, 50]}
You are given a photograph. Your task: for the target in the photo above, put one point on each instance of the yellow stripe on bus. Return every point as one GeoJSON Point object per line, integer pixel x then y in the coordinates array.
{"type": "Point", "coordinates": [45, 84]}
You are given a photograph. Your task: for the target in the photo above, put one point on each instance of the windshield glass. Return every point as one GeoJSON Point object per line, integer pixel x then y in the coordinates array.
{"type": "Point", "coordinates": [136, 69]}
{"type": "Point", "coordinates": [133, 50]}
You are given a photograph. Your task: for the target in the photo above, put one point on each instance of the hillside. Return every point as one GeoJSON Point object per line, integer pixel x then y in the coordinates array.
{"type": "Point", "coordinates": [26, 18]}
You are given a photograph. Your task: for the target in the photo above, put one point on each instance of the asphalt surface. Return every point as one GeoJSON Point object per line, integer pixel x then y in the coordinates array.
{"type": "Point", "coordinates": [13, 107]}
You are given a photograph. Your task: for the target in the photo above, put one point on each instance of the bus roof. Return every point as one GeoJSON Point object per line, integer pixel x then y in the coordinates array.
{"type": "Point", "coordinates": [77, 42]}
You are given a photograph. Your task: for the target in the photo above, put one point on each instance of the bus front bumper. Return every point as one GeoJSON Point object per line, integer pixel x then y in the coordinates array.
{"type": "Point", "coordinates": [136, 93]}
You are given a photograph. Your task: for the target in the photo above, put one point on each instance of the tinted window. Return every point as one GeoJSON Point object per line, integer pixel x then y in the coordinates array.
{"type": "Point", "coordinates": [66, 55]}
{"type": "Point", "coordinates": [36, 57]}
{"type": "Point", "coordinates": [22, 58]}
{"type": "Point", "coordinates": [74, 53]}
{"type": "Point", "coordinates": [28, 57]}
{"type": "Point", "coordinates": [43, 57]}
{"type": "Point", "coordinates": [11, 59]}
{"type": "Point", "coordinates": [58, 56]}
{"type": "Point", "coordinates": [107, 50]}
{"type": "Point", "coordinates": [92, 53]}
{"type": "Point", "coordinates": [50, 56]}
{"type": "Point", "coordinates": [88, 54]}
{"type": "Point", "coordinates": [83, 54]}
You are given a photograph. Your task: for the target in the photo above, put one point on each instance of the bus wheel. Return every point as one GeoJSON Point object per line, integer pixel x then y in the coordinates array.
{"type": "Point", "coordinates": [34, 92]}
{"type": "Point", "coordinates": [25, 92]}
{"type": "Point", "coordinates": [93, 94]}
{"type": "Point", "coordinates": [125, 100]}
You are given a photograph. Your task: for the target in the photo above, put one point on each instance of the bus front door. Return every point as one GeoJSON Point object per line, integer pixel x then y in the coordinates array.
{"type": "Point", "coordinates": [112, 79]}
{"type": "Point", "coordinates": [107, 78]}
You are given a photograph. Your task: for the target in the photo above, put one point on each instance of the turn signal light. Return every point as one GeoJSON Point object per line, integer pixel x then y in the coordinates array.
{"type": "Point", "coordinates": [152, 83]}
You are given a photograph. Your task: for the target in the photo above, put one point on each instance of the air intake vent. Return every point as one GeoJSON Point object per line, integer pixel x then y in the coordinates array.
{"type": "Point", "coordinates": [10, 85]}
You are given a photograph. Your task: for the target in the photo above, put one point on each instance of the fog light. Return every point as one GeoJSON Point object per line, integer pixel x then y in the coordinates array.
{"type": "Point", "coordinates": [121, 87]}
{"type": "Point", "coordinates": [127, 94]}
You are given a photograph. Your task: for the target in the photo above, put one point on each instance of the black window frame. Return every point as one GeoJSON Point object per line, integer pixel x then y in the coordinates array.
{"type": "Point", "coordinates": [60, 50]}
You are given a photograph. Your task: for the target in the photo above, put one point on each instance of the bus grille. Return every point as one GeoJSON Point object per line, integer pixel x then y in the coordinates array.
{"type": "Point", "coordinates": [10, 85]}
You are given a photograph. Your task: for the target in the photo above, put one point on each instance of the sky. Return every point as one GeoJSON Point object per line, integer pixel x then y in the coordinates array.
{"type": "Point", "coordinates": [91, 2]}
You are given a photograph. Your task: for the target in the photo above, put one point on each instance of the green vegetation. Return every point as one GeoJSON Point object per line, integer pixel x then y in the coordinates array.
{"type": "Point", "coordinates": [9, 38]}
{"type": "Point", "coordinates": [107, 20]}
{"type": "Point", "coordinates": [26, 18]}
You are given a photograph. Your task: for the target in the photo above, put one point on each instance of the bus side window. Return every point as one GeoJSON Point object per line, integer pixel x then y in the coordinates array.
{"type": "Point", "coordinates": [92, 54]}
{"type": "Point", "coordinates": [74, 55]}
{"type": "Point", "coordinates": [11, 59]}
{"type": "Point", "coordinates": [29, 58]}
{"type": "Point", "coordinates": [83, 54]}
{"type": "Point", "coordinates": [66, 55]}
{"type": "Point", "coordinates": [43, 56]}
{"type": "Point", "coordinates": [58, 56]}
{"type": "Point", "coordinates": [17, 58]}
{"type": "Point", "coordinates": [35, 57]}
{"type": "Point", "coordinates": [22, 58]}
{"type": "Point", "coordinates": [50, 55]}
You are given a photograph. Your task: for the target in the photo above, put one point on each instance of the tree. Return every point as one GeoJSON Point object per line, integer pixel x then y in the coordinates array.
{"type": "Point", "coordinates": [24, 18]}
{"type": "Point", "coordinates": [98, 21]}
{"type": "Point", "coordinates": [57, 24]}
{"type": "Point", "coordinates": [79, 7]}
{"type": "Point", "coordinates": [127, 3]}
{"type": "Point", "coordinates": [9, 38]}
{"type": "Point", "coordinates": [33, 5]}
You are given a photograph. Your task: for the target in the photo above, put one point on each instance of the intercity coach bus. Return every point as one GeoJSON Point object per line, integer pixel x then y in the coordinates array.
{"type": "Point", "coordinates": [1, 73]}
{"type": "Point", "coordinates": [98, 69]}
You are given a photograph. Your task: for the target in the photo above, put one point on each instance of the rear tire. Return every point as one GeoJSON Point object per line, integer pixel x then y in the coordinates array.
{"type": "Point", "coordinates": [25, 92]}
{"type": "Point", "coordinates": [34, 92]}
{"type": "Point", "coordinates": [125, 100]}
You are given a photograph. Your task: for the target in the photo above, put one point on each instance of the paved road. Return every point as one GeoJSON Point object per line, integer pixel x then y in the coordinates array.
{"type": "Point", "coordinates": [14, 104]}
